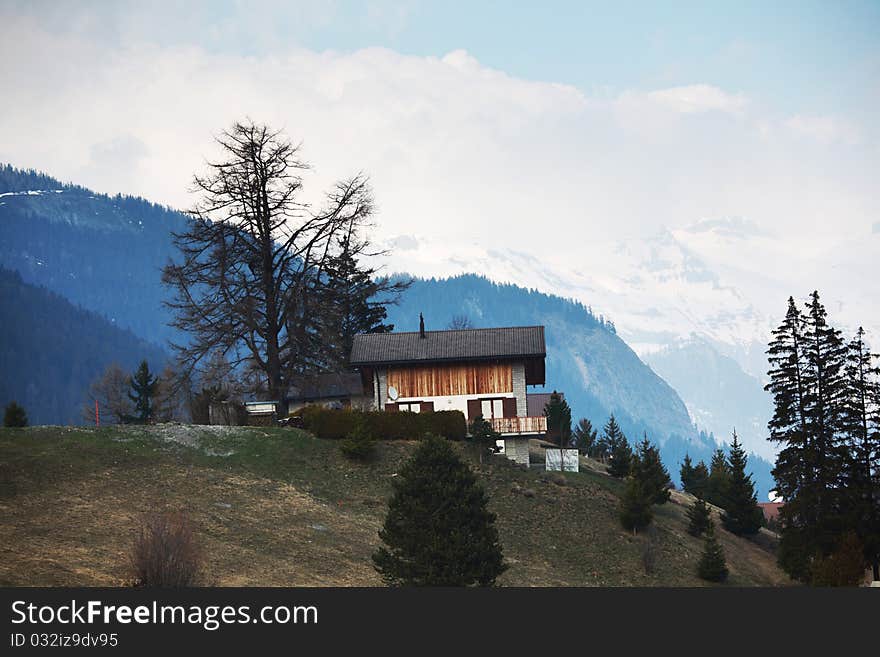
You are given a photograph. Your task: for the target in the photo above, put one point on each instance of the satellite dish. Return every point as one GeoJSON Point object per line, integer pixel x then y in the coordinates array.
{"type": "Point", "coordinates": [392, 393]}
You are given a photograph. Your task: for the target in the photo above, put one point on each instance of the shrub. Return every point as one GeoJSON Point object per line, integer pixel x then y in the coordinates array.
{"type": "Point", "coordinates": [15, 416]}
{"type": "Point", "coordinates": [845, 567]}
{"type": "Point", "coordinates": [165, 552]}
{"type": "Point", "coordinates": [359, 446]}
{"type": "Point", "coordinates": [339, 424]}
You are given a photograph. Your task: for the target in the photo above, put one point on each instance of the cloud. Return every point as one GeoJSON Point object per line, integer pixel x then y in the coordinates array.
{"type": "Point", "coordinates": [823, 129]}
{"type": "Point", "coordinates": [696, 98]}
{"type": "Point", "coordinates": [453, 147]}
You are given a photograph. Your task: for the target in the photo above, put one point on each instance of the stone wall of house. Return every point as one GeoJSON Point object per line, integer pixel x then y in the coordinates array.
{"type": "Point", "coordinates": [519, 389]}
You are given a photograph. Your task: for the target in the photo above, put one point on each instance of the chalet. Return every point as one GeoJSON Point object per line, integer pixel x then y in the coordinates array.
{"type": "Point", "coordinates": [476, 371]}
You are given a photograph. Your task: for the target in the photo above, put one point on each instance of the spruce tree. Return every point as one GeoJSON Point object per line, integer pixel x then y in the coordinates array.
{"type": "Point", "coordinates": [712, 566]}
{"type": "Point", "coordinates": [651, 473]}
{"type": "Point", "coordinates": [558, 414]}
{"type": "Point", "coordinates": [635, 506]}
{"type": "Point", "coordinates": [826, 369]}
{"type": "Point", "coordinates": [14, 415]}
{"type": "Point", "coordinates": [686, 473]}
{"type": "Point", "coordinates": [719, 479]}
{"type": "Point", "coordinates": [621, 459]}
{"type": "Point", "coordinates": [742, 514]}
{"type": "Point", "coordinates": [698, 518]}
{"type": "Point", "coordinates": [810, 392]}
{"type": "Point", "coordinates": [862, 417]}
{"type": "Point", "coordinates": [612, 436]}
{"type": "Point", "coordinates": [585, 436]}
{"type": "Point", "coordinates": [144, 387]}
{"type": "Point", "coordinates": [438, 531]}
{"type": "Point", "coordinates": [793, 471]}
{"type": "Point", "coordinates": [700, 484]}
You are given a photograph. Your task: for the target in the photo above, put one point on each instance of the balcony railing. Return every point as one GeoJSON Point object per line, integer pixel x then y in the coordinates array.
{"type": "Point", "coordinates": [514, 425]}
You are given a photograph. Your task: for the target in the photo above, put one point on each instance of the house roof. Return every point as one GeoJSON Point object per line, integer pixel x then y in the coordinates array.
{"type": "Point", "coordinates": [327, 386]}
{"type": "Point", "coordinates": [456, 345]}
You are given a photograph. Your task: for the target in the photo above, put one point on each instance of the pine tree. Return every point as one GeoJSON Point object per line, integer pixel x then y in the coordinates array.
{"type": "Point", "coordinates": [686, 473]}
{"type": "Point", "coordinates": [635, 506]}
{"type": "Point", "coordinates": [15, 415]}
{"type": "Point", "coordinates": [698, 518]}
{"type": "Point", "coordinates": [585, 436]}
{"type": "Point", "coordinates": [558, 414]}
{"type": "Point", "coordinates": [651, 473]}
{"type": "Point", "coordinates": [713, 566]}
{"type": "Point", "coordinates": [621, 459]}
{"type": "Point", "coordinates": [742, 514]}
{"type": "Point", "coordinates": [719, 479]}
{"type": "Point", "coordinates": [862, 418]}
{"type": "Point", "coordinates": [144, 387]}
{"type": "Point", "coordinates": [438, 531]}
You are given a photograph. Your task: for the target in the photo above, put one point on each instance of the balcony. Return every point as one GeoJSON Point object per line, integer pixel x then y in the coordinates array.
{"type": "Point", "coordinates": [519, 425]}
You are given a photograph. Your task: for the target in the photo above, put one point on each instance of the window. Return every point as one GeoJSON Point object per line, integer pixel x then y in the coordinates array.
{"type": "Point", "coordinates": [492, 408]}
{"type": "Point", "coordinates": [410, 407]}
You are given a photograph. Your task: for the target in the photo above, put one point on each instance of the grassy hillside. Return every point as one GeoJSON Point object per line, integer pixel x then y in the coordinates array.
{"type": "Point", "coordinates": [279, 507]}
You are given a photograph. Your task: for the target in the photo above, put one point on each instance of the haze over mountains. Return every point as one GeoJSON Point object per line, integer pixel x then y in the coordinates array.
{"type": "Point", "coordinates": [104, 254]}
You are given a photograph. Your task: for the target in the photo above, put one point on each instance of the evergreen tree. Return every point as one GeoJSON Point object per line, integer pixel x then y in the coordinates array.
{"type": "Point", "coordinates": [612, 436]}
{"type": "Point", "coordinates": [700, 484]}
{"type": "Point", "coordinates": [810, 391]}
{"type": "Point", "coordinates": [862, 417]}
{"type": "Point", "coordinates": [742, 514]}
{"type": "Point", "coordinates": [698, 518]}
{"type": "Point", "coordinates": [484, 436]}
{"type": "Point", "coordinates": [359, 444]}
{"type": "Point", "coordinates": [144, 387]}
{"type": "Point", "coordinates": [713, 566]}
{"type": "Point", "coordinates": [438, 531]}
{"type": "Point", "coordinates": [558, 414]}
{"type": "Point", "coordinates": [826, 401]}
{"type": "Point", "coordinates": [719, 479]}
{"type": "Point", "coordinates": [585, 436]}
{"type": "Point", "coordinates": [15, 415]}
{"type": "Point", "coordinates": [651, 473]}
{"type": "Point", "coordinates": [355, 300]}
{"type": "Point", "coordinates": [621, 459]}
{"type": "Point", "coordinates": [789, 428]}
{"type": "Point", "coordinates": [686, 473]}
{"type": "Point", "coordinates": [635, 506]}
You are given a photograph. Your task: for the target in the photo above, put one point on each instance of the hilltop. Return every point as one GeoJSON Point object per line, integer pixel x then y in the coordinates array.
{"type": "Point", "coordinates": [280, 507]}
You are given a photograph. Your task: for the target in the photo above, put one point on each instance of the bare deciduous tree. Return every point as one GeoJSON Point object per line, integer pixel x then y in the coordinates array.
{"type": "Point", "coordinates": [459, 322]}
{"type": "Point", "coordinates": [250, 283]}
{"type": "Point", "coordinates": [111, 392]}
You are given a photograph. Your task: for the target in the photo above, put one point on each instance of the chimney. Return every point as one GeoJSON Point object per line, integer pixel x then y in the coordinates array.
{"type": "Point", "coordinates": [422, 327]}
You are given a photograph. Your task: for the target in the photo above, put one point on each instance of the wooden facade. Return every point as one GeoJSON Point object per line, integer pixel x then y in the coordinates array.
{"type": "Point", "coordinates": [440, 380]}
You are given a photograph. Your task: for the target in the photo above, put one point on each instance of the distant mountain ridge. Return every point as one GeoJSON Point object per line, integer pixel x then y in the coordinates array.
{"type": "Point", "coordinates": [101, 252]}
{"type": "Point", "coordinates": [50, 351]}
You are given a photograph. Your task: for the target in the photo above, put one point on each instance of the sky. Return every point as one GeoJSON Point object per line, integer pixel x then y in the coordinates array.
{"type": "Point", "coordinates": [542, 127]}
